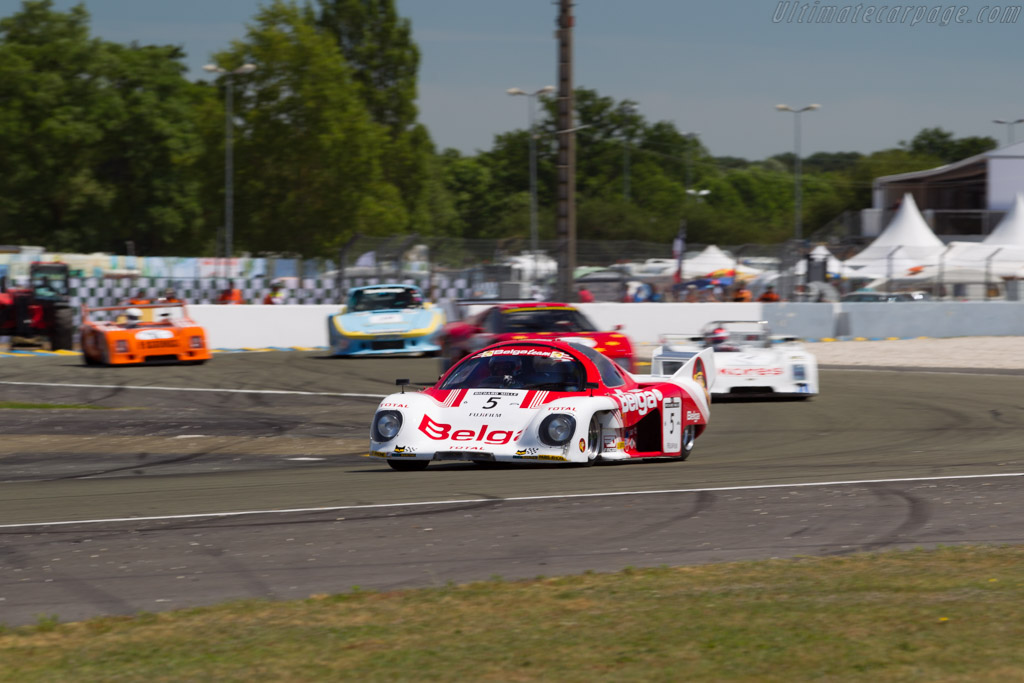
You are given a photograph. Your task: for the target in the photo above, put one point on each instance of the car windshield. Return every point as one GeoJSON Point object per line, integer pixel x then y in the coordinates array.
{"type": "Point", "coordinates": [385, 298]}
{"type": "Point", "coordinates": [538, 369]}
{"type": "Point", "coordinates": [545, 319]}
{"type": "Point", "coordinates": [49, 286]}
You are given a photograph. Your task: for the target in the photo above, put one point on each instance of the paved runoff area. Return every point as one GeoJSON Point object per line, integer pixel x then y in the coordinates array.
{"type": "Point", "coordinates": [992, 353]}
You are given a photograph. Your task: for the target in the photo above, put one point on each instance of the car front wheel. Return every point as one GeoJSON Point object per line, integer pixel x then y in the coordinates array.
{"type": "Point", "coordinates": [689, 439]}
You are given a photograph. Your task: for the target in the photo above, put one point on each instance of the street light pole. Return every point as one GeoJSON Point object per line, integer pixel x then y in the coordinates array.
{"type": "Point", "coordinates": [229, 171]}
{"type": "Point", "coordinates": [530, 98]}
{"type": "Point", "coordinates": [1009, 128]}
{"type": "Point", "coordinates": [798, 229]}
{"type": "Point", "coordinates": [627, 108]}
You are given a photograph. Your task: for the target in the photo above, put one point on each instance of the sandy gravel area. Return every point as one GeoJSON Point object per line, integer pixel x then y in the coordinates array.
{"type": "Point", "coordinates": [955, 352]}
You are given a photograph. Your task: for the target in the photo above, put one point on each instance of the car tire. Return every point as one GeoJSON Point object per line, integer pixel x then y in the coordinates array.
{"type": "Point", "coordinates": [62, 336]}
{"type": "Point", "coordinates": [408, 465]}
{"type": "Point", "coordinates": [593, 442]}
{"type": "Point", "coordinates": [689, 439]}
{"type": "Point", "coordinates": [594, 433]}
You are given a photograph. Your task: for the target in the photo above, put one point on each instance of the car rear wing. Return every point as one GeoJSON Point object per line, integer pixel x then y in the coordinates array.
{"type": "Point", "coordinates": [681, 338]}
{"type": "Point", "coordinates": [149, 311]}
{"type": "Point", "coordinates": [676, 364]}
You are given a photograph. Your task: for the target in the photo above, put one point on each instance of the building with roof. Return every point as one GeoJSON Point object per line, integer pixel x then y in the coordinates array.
{"type": "Point", "coordinates": [961, 201]}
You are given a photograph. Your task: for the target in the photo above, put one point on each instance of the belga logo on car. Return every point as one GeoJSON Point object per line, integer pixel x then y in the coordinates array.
{"type": "Point", "coordinates": [438, 431]}
{"type": "Point", "coordinates": [639, 401]}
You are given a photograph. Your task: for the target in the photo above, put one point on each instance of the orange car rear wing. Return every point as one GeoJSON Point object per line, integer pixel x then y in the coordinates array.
{"type": "Point", "coordinates": [147, 314]}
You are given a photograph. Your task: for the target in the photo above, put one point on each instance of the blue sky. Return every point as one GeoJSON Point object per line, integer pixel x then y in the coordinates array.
{"type": "Point", "coordinates": [715, 67]}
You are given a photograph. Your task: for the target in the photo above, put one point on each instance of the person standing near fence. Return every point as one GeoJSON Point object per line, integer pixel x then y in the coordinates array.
{"type": "Point", "coordinates": [276, 295]}
{"type": "Point", "coordinates": [140, 299]}
{"type": "Point", "coordinates": [769, 296]}
{"type": "Point", "coordinates": [231, 295]}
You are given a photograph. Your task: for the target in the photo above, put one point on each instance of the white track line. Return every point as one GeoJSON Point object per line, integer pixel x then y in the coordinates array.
{"type": "Point", "coordinates": [229, 391]}
{"type": "Point", "coordinates": [210, 515]}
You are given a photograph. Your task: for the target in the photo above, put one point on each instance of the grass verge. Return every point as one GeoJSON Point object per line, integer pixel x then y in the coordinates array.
{"type": "Point", "coordinates": [950, 614]}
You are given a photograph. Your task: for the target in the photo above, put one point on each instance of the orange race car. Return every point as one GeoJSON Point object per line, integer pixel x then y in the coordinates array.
{"type": "Point", "coordinates": [153, 333]}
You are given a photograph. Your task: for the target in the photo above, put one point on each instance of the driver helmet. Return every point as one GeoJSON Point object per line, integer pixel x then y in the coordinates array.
{"type": "Point", "coordinates": [134, 315]}
{"type": "Point", "coordinates": [504, 366]}
{"type": "Point", "coordinates": [718, 336]}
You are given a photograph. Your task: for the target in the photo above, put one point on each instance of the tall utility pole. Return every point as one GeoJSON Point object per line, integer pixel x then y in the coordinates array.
{"type": "Point", "coordinates": [566, 166]}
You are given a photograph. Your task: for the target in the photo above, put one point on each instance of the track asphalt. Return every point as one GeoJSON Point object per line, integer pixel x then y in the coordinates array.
{"type": "Point", "coordinates": [245, 477]}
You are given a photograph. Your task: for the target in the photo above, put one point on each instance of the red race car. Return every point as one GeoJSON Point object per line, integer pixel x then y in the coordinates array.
{"type": "Point", "coordinates": [531, 320]}
{"type": "Point", "coordinates": [546, 402]}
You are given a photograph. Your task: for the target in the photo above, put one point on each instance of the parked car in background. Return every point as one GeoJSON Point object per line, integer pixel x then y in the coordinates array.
{"type": "Point", "coordinates": [866, 297]}
{"type": "Point", "coordinates": [540, 320]}
{"type": "Point", "coordinates": [385, 320]}
{"type": "Point", "coordinates": [533, 401]}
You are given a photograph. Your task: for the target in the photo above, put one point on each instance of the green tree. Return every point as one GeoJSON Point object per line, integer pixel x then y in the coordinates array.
{"type": "Point", "coordinates": [941, 144]}
{"type": "Point", "coordinates": [308, 153]}
{"type": "Point", "coordinates": [97, 137]}
{"type": "Point", "coordinates": [378, 47]}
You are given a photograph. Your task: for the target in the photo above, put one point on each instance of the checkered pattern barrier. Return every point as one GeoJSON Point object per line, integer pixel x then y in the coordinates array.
{"type": "Point", "coordinates": [94, 292]}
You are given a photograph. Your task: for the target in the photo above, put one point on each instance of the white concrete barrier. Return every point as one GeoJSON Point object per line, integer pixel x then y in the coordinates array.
{"type": "Point", "coordinates": [306, 325]}
{"type": "Point", "coordinates": [258, 326]}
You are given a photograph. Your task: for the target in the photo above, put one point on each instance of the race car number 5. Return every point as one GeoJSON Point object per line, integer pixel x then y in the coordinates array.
{"type": "Point", "coordinates": [491, 402]}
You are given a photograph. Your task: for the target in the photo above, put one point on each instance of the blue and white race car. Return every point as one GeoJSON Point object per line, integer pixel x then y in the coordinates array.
{"type": "Point", "coordinates": [384, 320]}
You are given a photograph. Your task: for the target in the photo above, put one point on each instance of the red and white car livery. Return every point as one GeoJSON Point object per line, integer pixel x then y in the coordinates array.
{"type": "Point", "coordinates": [540, 401]}
{"type": "Point", "coordinates": [750, 361]}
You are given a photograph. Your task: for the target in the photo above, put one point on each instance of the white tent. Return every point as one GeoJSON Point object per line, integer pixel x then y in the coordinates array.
{"type": "Point", "coordinates": [1001, 254]}
{"type": "Point", "coordinates": [712, 259]}
{"type": "Point", "coordinates": [907, 242]}
{"type": "Point", "coordinates": [820, 253]}
{"type": "Point", "coordinates": [1010, 230]}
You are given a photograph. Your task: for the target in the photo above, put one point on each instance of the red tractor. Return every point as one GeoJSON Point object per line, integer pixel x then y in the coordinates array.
{"type": "Point", "coordinates": [43, 309]}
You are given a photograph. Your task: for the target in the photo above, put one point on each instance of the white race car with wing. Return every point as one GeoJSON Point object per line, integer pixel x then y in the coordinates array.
{"type": "Point", "coordinates": [749, 360]}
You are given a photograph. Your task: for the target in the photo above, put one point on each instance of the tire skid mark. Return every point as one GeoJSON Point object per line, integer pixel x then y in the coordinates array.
{"type": "Point", "coordinates": [917, 514]}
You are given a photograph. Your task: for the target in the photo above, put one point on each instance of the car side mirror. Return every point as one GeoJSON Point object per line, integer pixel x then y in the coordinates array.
{"type": "Point", "coordinates": [402, 383]}
{"type": "Point", "coordinates": [591, 386]}
{"type": "Point", "coordinates": [618, 327]}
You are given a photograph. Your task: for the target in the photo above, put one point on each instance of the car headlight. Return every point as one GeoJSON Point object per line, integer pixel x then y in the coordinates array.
{"type": "Point", "coordinates": [556, 430]}
{"type": "Point", "coordinates": [386, 425]}
{"type": "Point", "coordinates": [799, 373]}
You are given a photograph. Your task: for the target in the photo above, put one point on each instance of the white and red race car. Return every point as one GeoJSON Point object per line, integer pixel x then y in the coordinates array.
{"type": "Point", "coordinates": [544, 402]}
{"type": "Point", "coordinates": [750, 362]}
